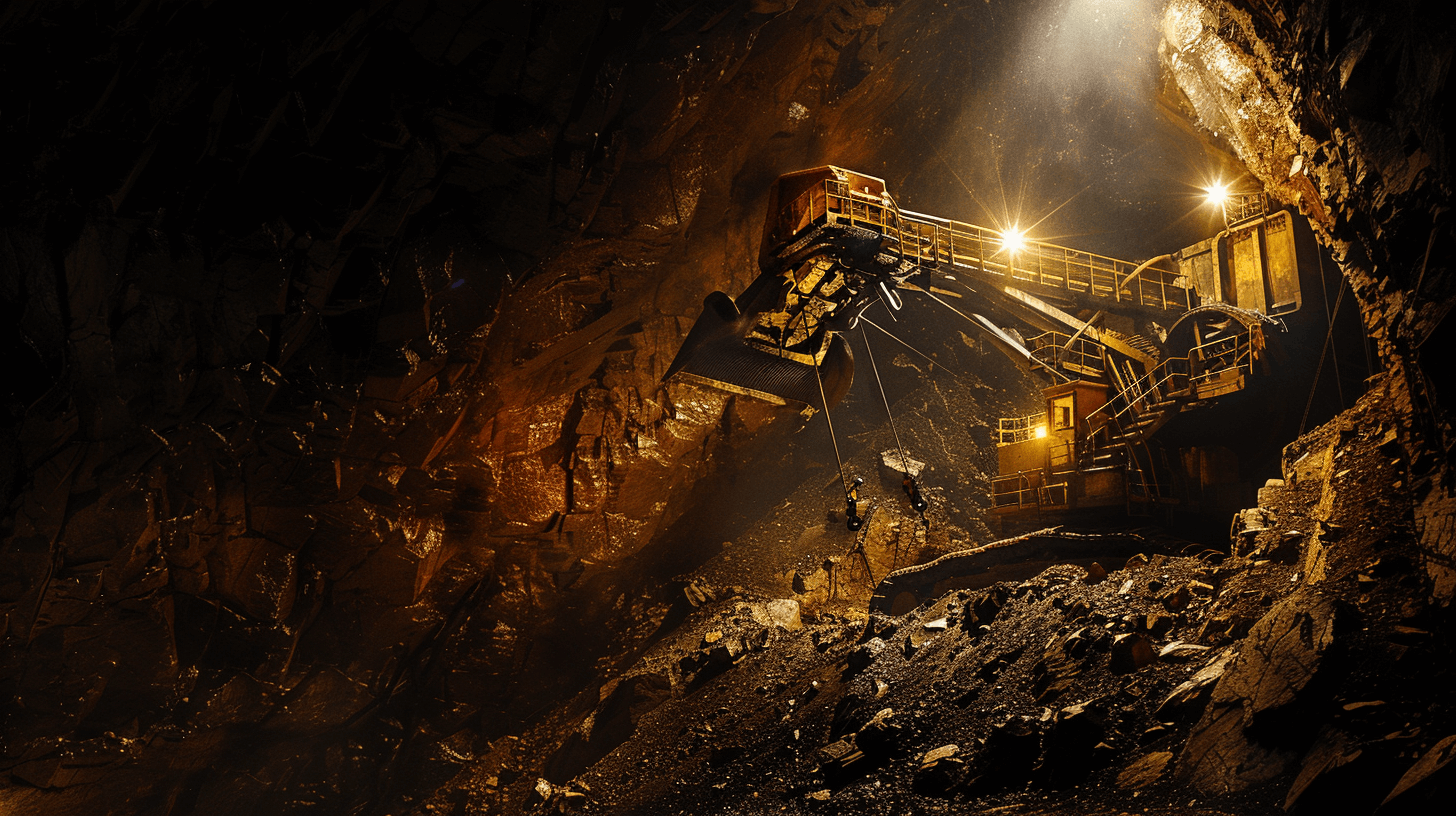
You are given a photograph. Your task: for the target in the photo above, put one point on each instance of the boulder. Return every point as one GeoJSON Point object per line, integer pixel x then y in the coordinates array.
{"type": "Point", "coordinates": [1144, 771]}
{"type": "Point", "coordinates": [1070, 745]}
{"type": "Point", "coordinates": [1190, 695]}
{"type": "Point", "coordinates": [865, 654]}
{"type": "Point", "coordinates": [1130, 652]}
{"type": "Point", "coordinates": [1248, 733]}
{"type": "Point", "coordinates": [939, 771]}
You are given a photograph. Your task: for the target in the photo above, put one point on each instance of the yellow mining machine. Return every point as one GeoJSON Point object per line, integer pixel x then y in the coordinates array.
{"type": "Point", "coordinates": [1129, 348]}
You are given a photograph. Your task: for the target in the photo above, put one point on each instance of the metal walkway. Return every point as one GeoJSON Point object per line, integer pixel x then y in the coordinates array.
{"type": "Point", "coordinates": [950, 246]}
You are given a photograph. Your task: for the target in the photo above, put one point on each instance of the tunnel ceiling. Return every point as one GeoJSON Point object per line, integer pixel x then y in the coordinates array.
{"type": "Point", "coordinates": [337, 453]}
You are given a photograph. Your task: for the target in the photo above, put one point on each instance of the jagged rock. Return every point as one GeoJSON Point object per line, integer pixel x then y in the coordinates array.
{"type": "Point", "coordinates": [612, 722]}
{"type": "Point", "coordinates": [1427, 782]}
{"type": "Point", "coordinates": [865, 654]}
{"type": "Point", "coordinates": [940, 769]}
{"type": "Point", "coordinates": [1286, 548]}
{"type": "Point", "coordinates": [1159, 624]}
{"type": "Point", "coordinates": [1144, 770]}
{"type": "Point", "coordinates": [923, 635]}
{"type": "Point", "coordinates": [995, 665]}
{"type": "Point", "coordinates": [1246, 527]}
{"type": "Point", "coordinates": [1077, 610]}
{"type": "Point", "coordinates": [895, 467]}
{"type": "Point", "coordinates": [881, 735]}
{"type": "Point", "coordinates": [1096, 574]}
{"type": "Point", "coordinates": [1178, 650]}
{"type": "Point", "coordinates": [1077, 644]}
{"type": "Point", "coordinates": [880, 626]}
{"type": "Point", "coordinates": [1009, 755]}
{"type": "Point", "coordinates": [726, 652]}
{"type": "Point", "coordinates": [1057, 669]}
{"type": "Point", "coordinates": [256, 574]}
{"type": "Point", "coordinates": [1069, 756]}
{"type": "Point", "coordinates": [1239, 742]}
{"type": "Point", "coordinates": [781, 612]}
{"type": "Point", "coordinates": [842, 759]}
{"type": "Point", "coordinates": [1191, 694]}
{"type": "Point", "coordinates": [1322, 778]}
{"type": "Point", "coordinates": [983, 608]}
{"type": "Point", "coordinates": [1130, 652]}
{"type": "Point", "coordinates": [699, 593]}
{"type": "Point", "coordinates": [1177, 600]}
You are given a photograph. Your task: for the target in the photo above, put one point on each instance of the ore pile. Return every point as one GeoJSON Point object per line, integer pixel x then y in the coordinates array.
{"type": "Point", "coordinates": [1300, 671]}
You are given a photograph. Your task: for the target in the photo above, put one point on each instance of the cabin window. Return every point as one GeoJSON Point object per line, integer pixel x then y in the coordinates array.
{"type": "Point", "coordinates": [1062, 412]}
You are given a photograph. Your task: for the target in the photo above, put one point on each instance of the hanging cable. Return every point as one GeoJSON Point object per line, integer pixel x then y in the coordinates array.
{"type": "Point", "coordinates": [908, 483]}
{"type": "Point", "coordinates": [851, 493]}
{"type": "Point", "coordinates": [1030, 360]}
{"type": "Point", "coordinates": [904, 462]}
{"type": "Point", "coordinates": [1330, 320]}
{"type": "Point", "coordinates": [925, 356]}
{"type": "Point", "coordinates": [1319, 368]}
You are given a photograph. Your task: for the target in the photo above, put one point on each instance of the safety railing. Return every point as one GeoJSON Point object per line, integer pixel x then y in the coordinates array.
{"type": "Point", "coordinates": [1168, 380]}
{"type": "Point", "coordinates": [1062, 456]}
{"type": "Point", "coordinates": [1057, 350]}
{"type": "Point", "coordinates": [1178, 377]}
{"type": "Point", "coordinates": [928, 240]}
{"type": "Point", "coordinates": [1022, 491]}
{"type": "Point", "coordinates": [1218, 358]}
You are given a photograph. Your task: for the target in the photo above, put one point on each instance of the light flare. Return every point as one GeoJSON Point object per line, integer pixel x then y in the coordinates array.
{"type": "Point", "coordinates": [1013, 240]}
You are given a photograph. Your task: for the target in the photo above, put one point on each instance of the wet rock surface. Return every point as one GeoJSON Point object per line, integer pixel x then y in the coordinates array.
{"type": "Point", "coordinates": [339, 476]}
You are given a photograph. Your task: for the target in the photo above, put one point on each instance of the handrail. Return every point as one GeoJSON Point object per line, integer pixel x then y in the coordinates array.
{"type": "Point", "coordinates": [1233, 353]}
{"type": "Point", "coordinates": [928, 240]}
{"type": "Point", "coordinates": [1054, 348]}
{"type": "Point", "coordinates": [1025, 488]}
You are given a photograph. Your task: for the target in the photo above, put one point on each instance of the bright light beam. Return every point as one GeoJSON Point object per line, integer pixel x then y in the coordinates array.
{"type": "Point", "coordinates": [1013, 240]}
{"type": "Point", "coordinates": [1218, 194]}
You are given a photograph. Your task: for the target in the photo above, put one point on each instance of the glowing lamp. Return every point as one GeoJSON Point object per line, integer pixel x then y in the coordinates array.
{"type": "Point", "coordinates": [1041, 432]}
{"type": "Point", "coordinates": [1217, 194]}
{"type": "Point", "coordinates": [1013, 240]}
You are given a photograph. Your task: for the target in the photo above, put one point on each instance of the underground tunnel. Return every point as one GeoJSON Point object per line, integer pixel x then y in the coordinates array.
{"type": "Point", "coordinates": [726, 407]}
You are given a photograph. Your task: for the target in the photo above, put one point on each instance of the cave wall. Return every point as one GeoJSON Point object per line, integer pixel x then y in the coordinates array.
{"type": "Point", "coordinates": [337, 336]}
{"type": "Point", "coordinates": [1343, 109]}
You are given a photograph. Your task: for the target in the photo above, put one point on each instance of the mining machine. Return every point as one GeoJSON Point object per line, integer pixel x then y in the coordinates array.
{"type": "Point", "coordinates": [1129, 350]}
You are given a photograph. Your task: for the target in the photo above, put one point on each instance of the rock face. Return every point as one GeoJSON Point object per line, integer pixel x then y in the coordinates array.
{"type": "Point", "coordinates": [1253, 716]}
{"type": "Point", "coordinates": [1322, 104]}
{"type": "Point", "coordinates": [339, 474]}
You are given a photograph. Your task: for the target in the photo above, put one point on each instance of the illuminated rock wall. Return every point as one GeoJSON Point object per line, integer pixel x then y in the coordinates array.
{"type": "Point", "coordinates": [1341, 109]}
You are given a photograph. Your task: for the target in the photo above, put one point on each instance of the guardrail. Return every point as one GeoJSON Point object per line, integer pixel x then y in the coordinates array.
{"type": "Point", "coordinates": [1174, 378]}
{"type": "Point", "coordinates": [929, 240]}
{"type": "Point", "coordinates": [1051, 349]}
{"type": "Point", "coordinates": [1021, 492]}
